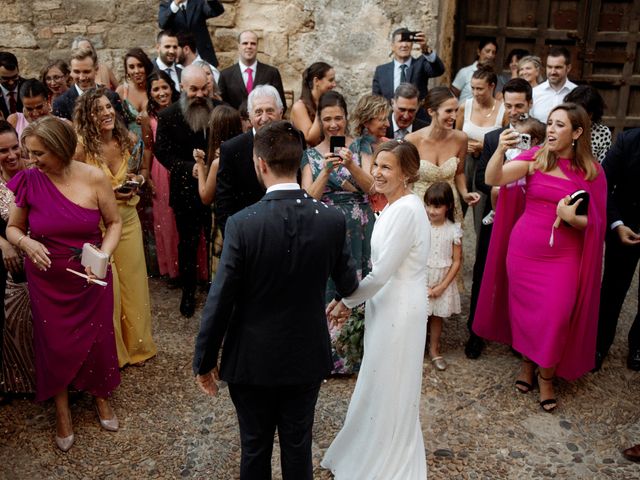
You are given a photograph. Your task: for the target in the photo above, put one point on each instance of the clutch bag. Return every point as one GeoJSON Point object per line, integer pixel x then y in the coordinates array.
{"type": "Point", "coordinates": [583, 208]}
{"type": "Point", "coordinates": [96, 259]}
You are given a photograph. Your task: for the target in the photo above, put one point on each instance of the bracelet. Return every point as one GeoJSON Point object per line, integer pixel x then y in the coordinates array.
{"type": "Point", "coordinates": [143, 179]}
{"type": "Point", "coordinates": [20, 239]}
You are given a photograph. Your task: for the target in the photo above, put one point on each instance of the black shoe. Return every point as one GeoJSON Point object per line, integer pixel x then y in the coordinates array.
{"type": "Point", "coordinates": [633, 360]}
{"type": "Point", "coordinates": [599, 360]}
{"type": "Point", "coordinates": [474, 347]}
{"type": "Point", "coordinates": [188, 304]}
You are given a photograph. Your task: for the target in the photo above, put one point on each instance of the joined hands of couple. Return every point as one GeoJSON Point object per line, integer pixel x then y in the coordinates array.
{"type": "Point", "coordinates": [337, 313]}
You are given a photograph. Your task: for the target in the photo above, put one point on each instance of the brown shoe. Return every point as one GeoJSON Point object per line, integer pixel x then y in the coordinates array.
{"type": "Point", "coordinates": [632, 453]}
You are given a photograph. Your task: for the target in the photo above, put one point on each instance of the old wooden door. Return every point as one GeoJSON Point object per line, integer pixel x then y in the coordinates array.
{"type": "Point", "coordinates": [602, 35]}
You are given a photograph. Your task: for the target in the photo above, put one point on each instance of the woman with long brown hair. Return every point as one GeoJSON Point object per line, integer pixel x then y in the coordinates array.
{"type": "Point", "coordinates": [133, 91]}
{"type": "Point", "coordinates": [541, 285]}
{"type": "Point", "coordinates": [103, 141]}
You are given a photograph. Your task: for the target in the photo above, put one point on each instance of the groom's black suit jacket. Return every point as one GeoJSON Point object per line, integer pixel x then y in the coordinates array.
{"type": "Point", "coordinates": [268, 297]}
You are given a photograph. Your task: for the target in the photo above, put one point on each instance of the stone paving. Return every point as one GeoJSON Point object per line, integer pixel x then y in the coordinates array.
{"type": "Point", "coordinates": [475, 426]}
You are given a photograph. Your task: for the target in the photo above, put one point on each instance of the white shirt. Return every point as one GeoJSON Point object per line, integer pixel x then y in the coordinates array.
{"type": "Point", "coordinates": [397, 70]}
{"type": "Point", "coordinates": [408, 130]}
{"type": "Point", "coordinates": [463, 81]}
{"type": "Point", "coordinates": [245, 75]}
{"type": "Point", "coordinates": [545, 98]}
{"type": "Point", "coordinates": [5, 94]}
{"type": "Point", "coordinates": [172, 72]}
{"type": "Point", "coordinates": [283, 186]}
{"type": "Point", "coordinates": [174, 8]}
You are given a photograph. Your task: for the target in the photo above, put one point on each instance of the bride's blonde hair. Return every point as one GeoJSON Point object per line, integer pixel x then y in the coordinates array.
{"type": "Point", "coordinates": [583, 158]}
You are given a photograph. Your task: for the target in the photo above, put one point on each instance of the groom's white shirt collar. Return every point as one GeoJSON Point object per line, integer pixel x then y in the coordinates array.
{"type": "Point", "coordinates": [283, 186]}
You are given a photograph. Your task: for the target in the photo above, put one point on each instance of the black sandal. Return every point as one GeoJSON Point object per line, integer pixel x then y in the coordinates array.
{"type": "Point", "coordinates": [527, 387]}
{"type": "Point", "coordinates": [550, 404]}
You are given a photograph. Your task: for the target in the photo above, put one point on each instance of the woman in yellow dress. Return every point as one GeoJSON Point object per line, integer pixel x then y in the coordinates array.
{"type": "Point", "coordinates": [103, 141]}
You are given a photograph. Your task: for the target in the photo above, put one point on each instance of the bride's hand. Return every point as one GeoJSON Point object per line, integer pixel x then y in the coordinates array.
{"type": "Point", "coordinates": [339, 314]}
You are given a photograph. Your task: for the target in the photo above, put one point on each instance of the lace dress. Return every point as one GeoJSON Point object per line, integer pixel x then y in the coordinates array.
{"type": "Point", "coordinates": [431, 173]}
{"type": "Point", "coordinates": [443, 237]}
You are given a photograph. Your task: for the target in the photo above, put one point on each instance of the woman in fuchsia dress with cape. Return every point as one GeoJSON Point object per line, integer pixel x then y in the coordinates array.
{"type": "Point", "coordinates": [58, 207]}
{"type": "Point", "coordinates": [540, 291]}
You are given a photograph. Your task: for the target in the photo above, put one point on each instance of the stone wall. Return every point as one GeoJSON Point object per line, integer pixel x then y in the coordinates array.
{"type": "Point", "coordinates": [352, 35]}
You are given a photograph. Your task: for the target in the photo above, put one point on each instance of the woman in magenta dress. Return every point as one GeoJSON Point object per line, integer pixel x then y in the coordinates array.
{"type": "Point", "coordinates": [543, 300]}
{"type": "Point", "coordinates": [58, 207]}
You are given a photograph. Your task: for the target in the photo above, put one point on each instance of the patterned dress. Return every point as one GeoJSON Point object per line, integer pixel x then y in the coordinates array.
{"type": "Point", "coordinates": [359, 219]}
{"type": "Point", "coordinates": [431, 173]}
{"type": "Point", "coordinates": [18, 369]}
{"type": "Point", "coordinates": [443, 237]}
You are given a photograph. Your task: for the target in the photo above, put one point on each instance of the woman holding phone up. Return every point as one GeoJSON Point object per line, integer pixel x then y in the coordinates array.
{"type": "Point", "coordinates": [103, 141]}
{"type": "Point", "coordinates": [336, 178]}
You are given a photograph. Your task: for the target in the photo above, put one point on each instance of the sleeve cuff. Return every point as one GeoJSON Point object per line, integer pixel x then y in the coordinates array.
{"type": "Point", "coordinates": [430, 57]}
{"type": "Point", "coordinates": [616, 224]}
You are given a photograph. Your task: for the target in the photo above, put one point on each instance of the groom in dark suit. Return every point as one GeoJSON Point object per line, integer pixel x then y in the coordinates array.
{"type": "Point", "coordinates": [622, 167]}
{"type": "Point", "coordinates": [406, 68]}
{"type": "Point", "coordinates": [267, 303]}
{"type": "Point", "coordinates": [237, 81]}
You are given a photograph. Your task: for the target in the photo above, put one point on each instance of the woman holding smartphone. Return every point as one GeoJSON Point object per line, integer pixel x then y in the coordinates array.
{"type": "Point", "coordinates": [336, 177]}
{"type": "Point", "coordinates": [103, 141]}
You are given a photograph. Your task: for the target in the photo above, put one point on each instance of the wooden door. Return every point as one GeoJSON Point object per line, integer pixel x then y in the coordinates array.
{"type": "Point", "coordinates": [602, 36]}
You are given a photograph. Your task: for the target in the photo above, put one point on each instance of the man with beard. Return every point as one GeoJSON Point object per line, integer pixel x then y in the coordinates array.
{"type": "Point", "coordinates": [551, 92]}
{"type": "Point", "coordinates": [168, 49]}
{"type": "Point", "coordinates": [182, 127]}
{"type": "Point", "coordinates": [237, 186]}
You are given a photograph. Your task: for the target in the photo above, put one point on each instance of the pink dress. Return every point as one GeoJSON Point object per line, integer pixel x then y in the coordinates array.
{"type": "Point", "coordinates": [164, 222]}
{"type": "Point", "coordinates": [542, 299]}
{"type": "Point", "coordinates": [72, 321]}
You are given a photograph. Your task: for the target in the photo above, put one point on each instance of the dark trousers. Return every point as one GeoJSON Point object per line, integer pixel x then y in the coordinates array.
{"type": "Point", "coordinates": [260, 411]}
{"type": "Point", "coordinates": [482, 248]}
{"type": "Point", "coordinates": [620, 262]}
{"type": "Point", "coordinates": [190, 224]}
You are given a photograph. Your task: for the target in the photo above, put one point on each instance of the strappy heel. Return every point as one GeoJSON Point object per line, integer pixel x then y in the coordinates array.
{"type": "Point", "coordinates": [550, 404]}
{"type": "Point", "coordinates": [525, 387]}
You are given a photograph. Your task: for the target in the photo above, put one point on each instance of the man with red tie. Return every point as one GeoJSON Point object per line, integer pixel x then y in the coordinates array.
{"type": "Point", "coordinates": [10, 81]}
{"type": "Point", "coordinates": [237, 81]}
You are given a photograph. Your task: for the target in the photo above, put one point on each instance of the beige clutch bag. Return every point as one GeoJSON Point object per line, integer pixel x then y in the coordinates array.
{"type": "Point", "coordinates": [96, 259]}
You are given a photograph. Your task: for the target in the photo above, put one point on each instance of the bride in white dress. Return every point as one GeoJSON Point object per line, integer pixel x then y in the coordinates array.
{"type": "Point", "coordinates": [381, 437]}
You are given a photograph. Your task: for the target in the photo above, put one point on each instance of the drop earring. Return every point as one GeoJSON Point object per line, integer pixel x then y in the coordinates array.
{"type": "Point", "coordinates": [573, 144]}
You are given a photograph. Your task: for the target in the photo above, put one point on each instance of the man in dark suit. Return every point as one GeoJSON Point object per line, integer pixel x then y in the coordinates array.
{"type": "Point", "coordinates": [182, 127]}
{"type": "Point", "coordinates": [191, 16]}
{"type": "Point", "coordinates": [267, 303]}
{"type": "Point", "coordinates": [405, 68]}
{"type": "Point", "coordinates": [402, 119]}
{"type": "Point", "coordinates": [622, 168]}
{"type": "Point", "coordinates": [84, 67]}
{"type": "Point", "coordinates": [237, 81]}
{"type": "Point", "coordinates": [10, 82]}
{"type": "Point", "coordinates": [517, 102]}
{"type": "Point", "coordinates": [167, 47]}
{"type": "Point", "coordinates": [237, 185]}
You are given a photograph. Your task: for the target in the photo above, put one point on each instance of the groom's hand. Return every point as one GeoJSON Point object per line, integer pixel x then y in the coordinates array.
{"type": "Point", "coordinates": [338, 314]}
{"type": "Point", "coordinates": [208, 382]}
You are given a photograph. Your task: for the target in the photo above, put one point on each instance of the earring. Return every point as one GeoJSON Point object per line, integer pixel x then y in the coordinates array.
{"type": "Point", "coordinates": [573, 144]}
{"type": "Point", "coordinates": [405, 183]}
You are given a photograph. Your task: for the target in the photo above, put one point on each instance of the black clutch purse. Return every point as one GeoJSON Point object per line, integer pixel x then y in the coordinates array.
{"type": "Point", "coordinates": [583, 208]}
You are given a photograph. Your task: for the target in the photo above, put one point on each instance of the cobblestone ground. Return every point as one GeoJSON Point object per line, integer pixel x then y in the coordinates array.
{"type": "Point", "coordinates": [475, 426]}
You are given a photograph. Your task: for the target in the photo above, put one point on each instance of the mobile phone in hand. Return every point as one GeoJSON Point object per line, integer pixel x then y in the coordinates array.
{"type": "Point", "coordinates": [128, 186]}
{"type": "Point", "coordinates": [336, 143]}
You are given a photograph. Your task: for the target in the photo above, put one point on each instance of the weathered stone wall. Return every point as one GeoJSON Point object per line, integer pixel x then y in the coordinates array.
{"type": "Point", "coordinates": [352, 35]}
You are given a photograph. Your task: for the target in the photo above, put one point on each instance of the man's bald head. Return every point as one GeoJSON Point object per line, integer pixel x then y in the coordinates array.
{"type": "Point", "coordinates": [193, 82]}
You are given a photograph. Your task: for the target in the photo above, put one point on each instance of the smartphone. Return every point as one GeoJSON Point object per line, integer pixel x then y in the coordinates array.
{"type": "Point", "coordinates": [408, 36]}
{"type": "Point", "coordinates": [128, 186]}
{"type": "Point", "coordinates": [524, 143]}
{"type": "Point", "coordinates": [336, 143]}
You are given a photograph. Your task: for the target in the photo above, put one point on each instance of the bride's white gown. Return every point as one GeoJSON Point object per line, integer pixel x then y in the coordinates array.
{"type": "Point", "coordinates": [381, 438]}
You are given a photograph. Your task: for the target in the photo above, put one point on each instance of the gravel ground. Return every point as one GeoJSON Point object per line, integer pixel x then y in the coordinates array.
{"type": "Point", "coordinates": [475, 426]}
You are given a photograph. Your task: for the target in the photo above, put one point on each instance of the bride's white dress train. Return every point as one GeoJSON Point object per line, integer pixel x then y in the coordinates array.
{"type": "Point", "coordinates": [381, 438]}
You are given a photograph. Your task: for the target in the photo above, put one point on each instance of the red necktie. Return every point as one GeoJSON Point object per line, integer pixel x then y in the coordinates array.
{"type": "Point", "coordinates": [12, 102]}
{"type": "Point", "coordinates": [249, 80]}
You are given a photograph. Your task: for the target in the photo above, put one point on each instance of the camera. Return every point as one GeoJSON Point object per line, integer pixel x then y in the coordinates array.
{"type": "Point", "coordinates": [409, 36]}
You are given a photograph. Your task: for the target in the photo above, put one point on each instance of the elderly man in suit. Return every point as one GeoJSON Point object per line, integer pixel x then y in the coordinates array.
{"type": "Point", "coordinates": [405, 68]}
{"type": "Point", "coordinates": [191, 16]}
{"type": "Point", "coordinates": [517, 102]}
{"type": "Point", "coordinates": [267, 303]}
{"type": "Point", "coordinates": [10, 82]}
{"type": "Point", "coordinates": [182, 127]}
{"type": "Point", "coordinates": [622, 168]}
{"type": "Point", "coordinates": [84, 68]}
{"type": "Point", "coordinates": [237, 185]}
{"type": "Point", "coordinates": [403, 119]}
{"type": "Point", "coordinates": [237, 81]}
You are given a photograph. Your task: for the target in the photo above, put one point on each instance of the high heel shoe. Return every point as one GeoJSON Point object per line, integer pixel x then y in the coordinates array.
{"type": "Point", "coordinates": [110, 424]}
{"type": "Point", "coordinates": [65, 443]}
{"type": "Point", "coordinates": [523, 386]}
{"type": "Point", "coordinates": [550, 404]}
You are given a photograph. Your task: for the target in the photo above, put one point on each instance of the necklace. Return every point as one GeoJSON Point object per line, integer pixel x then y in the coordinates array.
{"type": "Point", "coordinates": [492, 109]}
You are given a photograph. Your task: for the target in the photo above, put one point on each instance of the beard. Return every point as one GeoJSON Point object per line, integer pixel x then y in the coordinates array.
{"type": "Point", "coordinates": [196, 111]}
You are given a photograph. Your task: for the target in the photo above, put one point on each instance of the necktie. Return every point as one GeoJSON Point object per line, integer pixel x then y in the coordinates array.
{"type": "Point", "coordinates": [403, 73]}
{"type": "Point", "coordinates": [249, 80]}
{"type": "Point", "coordinates": [173, 76]}
{"type": "Point", "coordinates": [400, 134]}
{"type": "Point", "coordinates": [12, 102]}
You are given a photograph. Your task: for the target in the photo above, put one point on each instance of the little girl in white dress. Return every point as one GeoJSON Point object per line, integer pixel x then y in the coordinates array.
{"type": "Point", "coordinates": [445, 258]}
